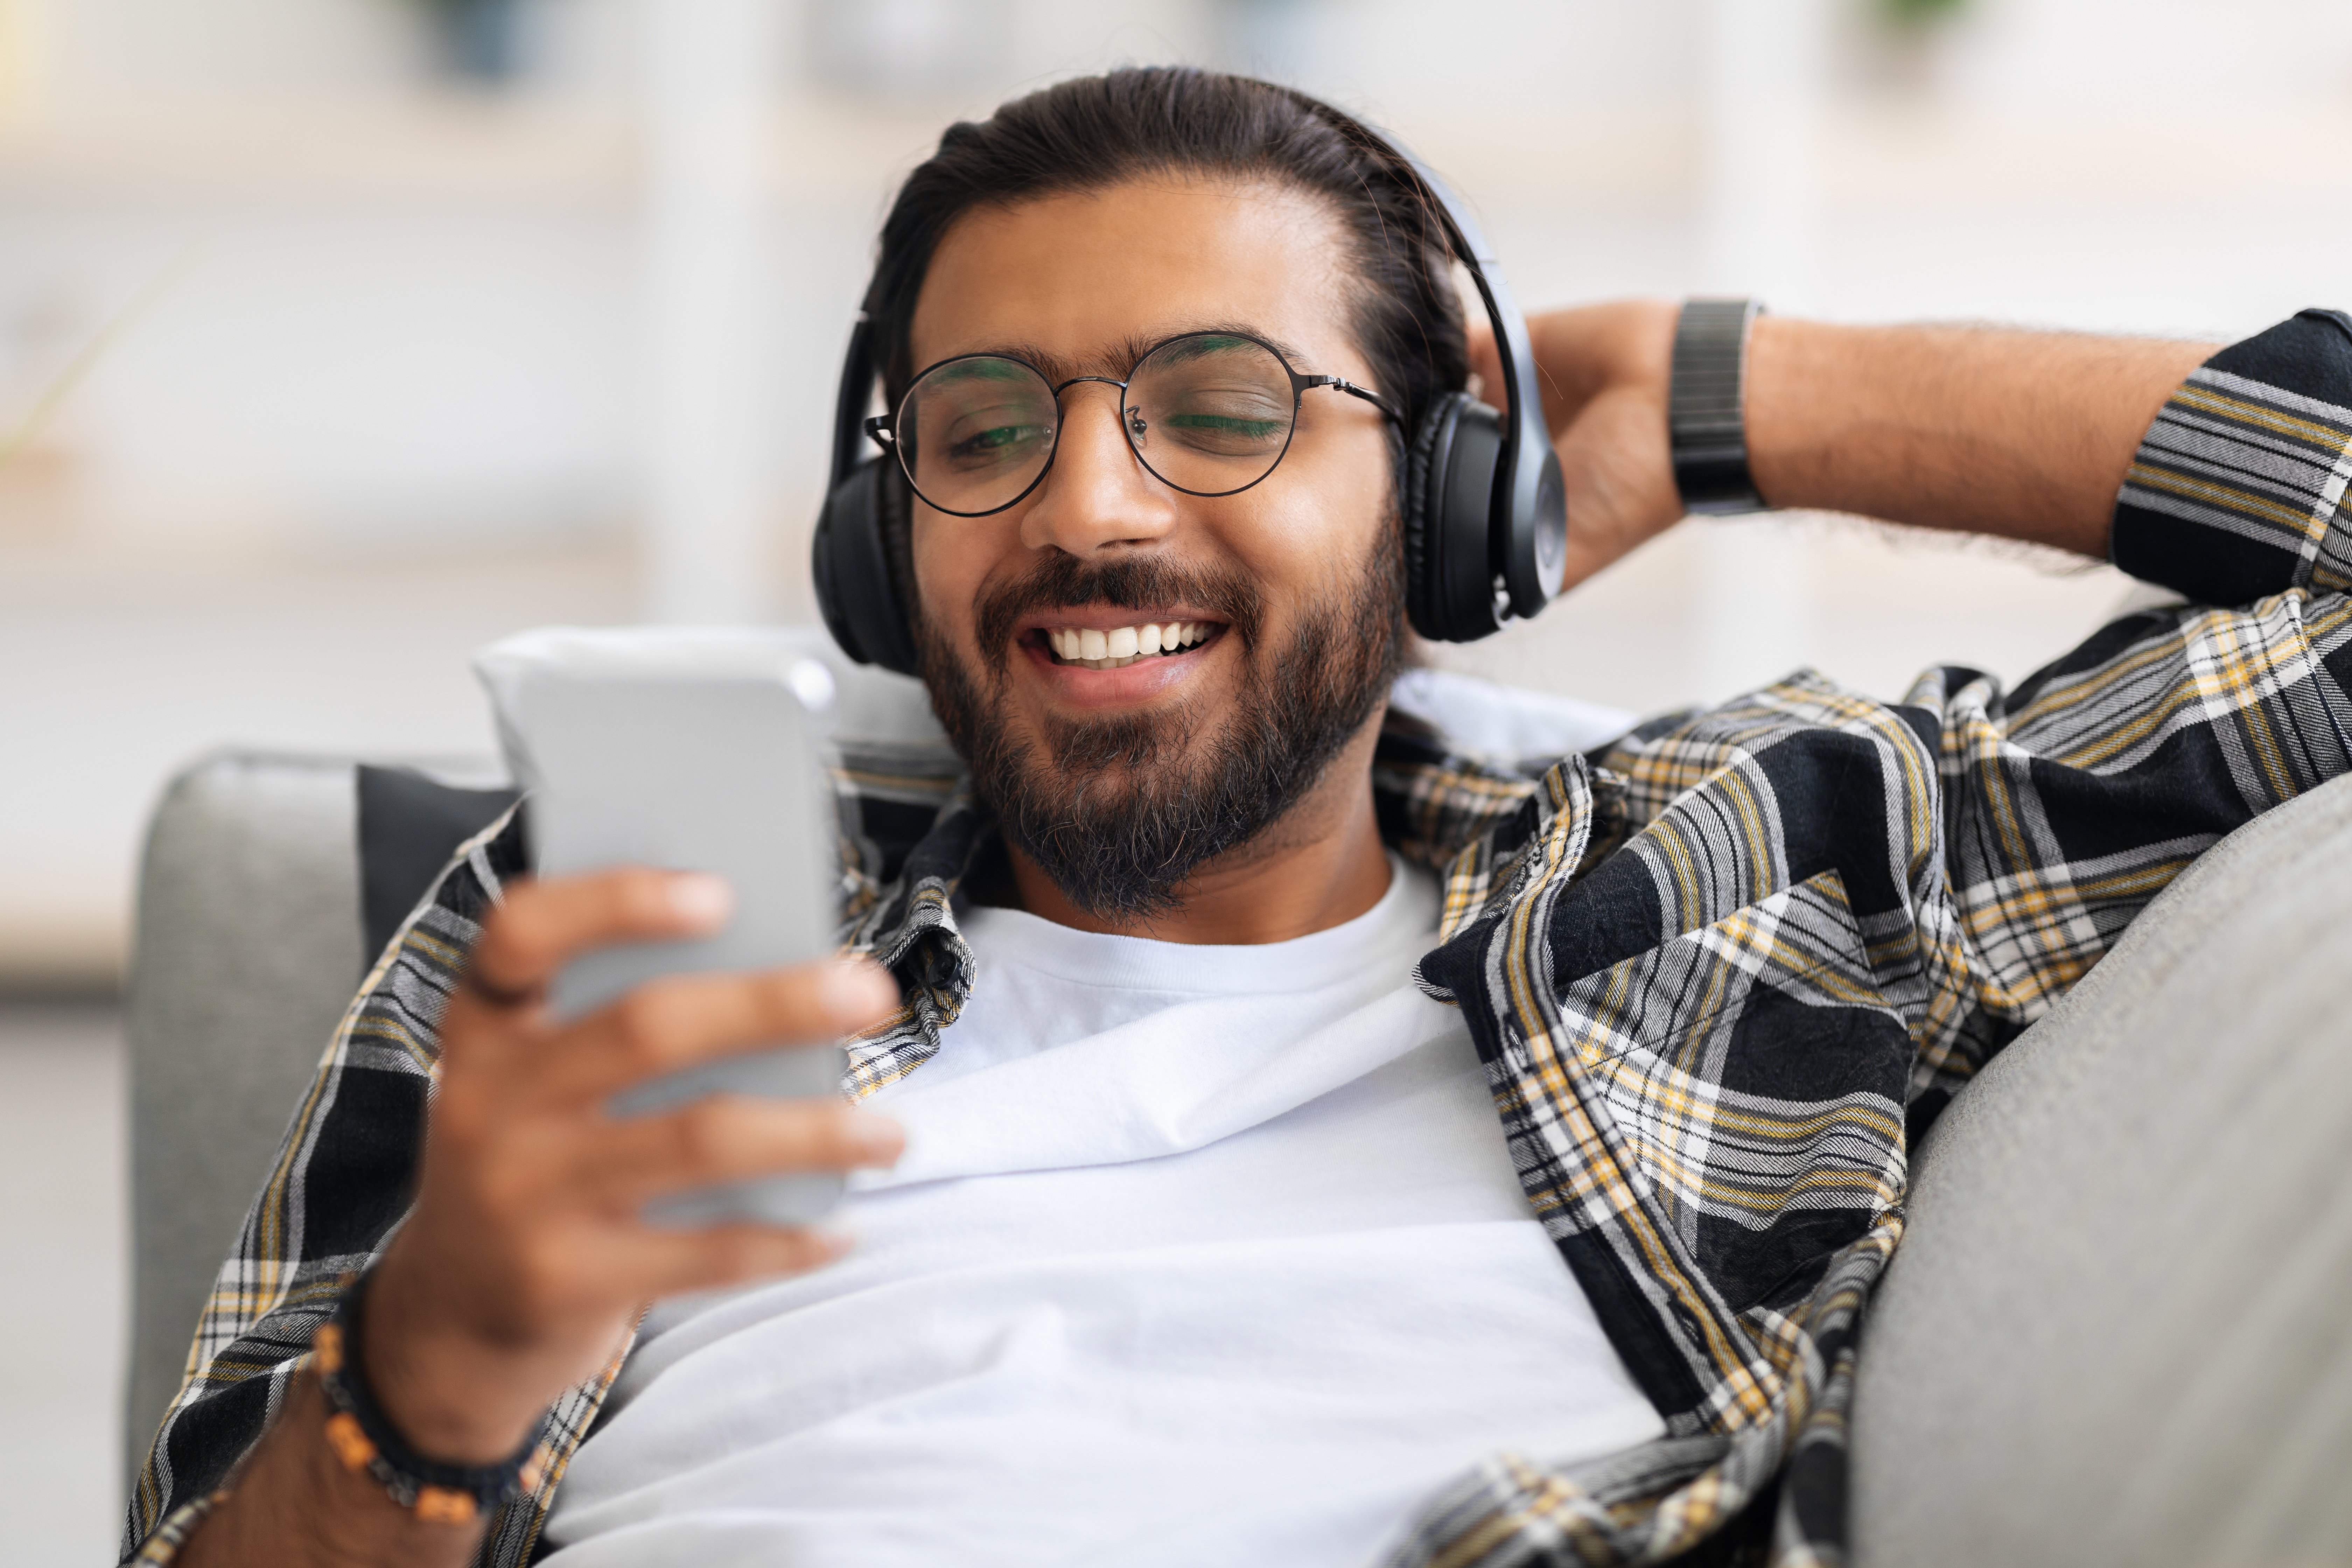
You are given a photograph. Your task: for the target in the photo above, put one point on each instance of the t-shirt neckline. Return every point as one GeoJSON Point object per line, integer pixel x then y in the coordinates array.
{"type": "Point", "coordinates": [1406, 913]}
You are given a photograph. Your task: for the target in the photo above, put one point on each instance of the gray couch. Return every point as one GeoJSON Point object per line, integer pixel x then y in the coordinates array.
{"type": "Point", "coordinates": [2116, 1333]}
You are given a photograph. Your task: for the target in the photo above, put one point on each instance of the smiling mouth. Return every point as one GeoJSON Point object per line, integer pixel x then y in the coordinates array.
{"type": "Point", "coordinates": [1089, 647]}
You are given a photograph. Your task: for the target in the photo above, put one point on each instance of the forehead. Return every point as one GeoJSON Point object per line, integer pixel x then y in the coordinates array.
{"type": "Point", "coordinates": [1080, 278]}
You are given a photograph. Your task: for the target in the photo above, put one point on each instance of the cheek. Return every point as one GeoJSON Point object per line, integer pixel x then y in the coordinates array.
{"type": "Point", "coordinates": [952, 556]}
{"type": "Point", "coordinates": [1318, 527]}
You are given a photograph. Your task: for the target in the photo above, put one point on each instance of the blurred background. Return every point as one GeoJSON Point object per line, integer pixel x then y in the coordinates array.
{"type": "Point", "coordinates": [337, 337]}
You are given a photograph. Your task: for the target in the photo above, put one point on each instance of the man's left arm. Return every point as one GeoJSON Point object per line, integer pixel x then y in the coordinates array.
{"type": "Point", "coordinates": [2022, 434]}
{"type": "Point", "coordinates": [2220, 475]}
{"type": "Point", "coordinates": [2067, 804]}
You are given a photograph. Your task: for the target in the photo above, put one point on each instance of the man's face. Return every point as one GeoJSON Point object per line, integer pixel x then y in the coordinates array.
{"type": "Point", "coordinates": [1120, 783]}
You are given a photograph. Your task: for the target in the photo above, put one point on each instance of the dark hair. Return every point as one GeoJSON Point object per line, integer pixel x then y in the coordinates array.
{"type": "Point", "coordinates": [1096, 130]}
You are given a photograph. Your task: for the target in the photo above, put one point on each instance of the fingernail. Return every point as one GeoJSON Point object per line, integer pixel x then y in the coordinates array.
{"type": "Point", "coordinates": [877, 1140]}
{"type": "Point", "coordinates": [701, 899]}
{"type": "Point", "coordinates": [856, 989]}
{"type": "Point", "coordinates": [836, 1241]}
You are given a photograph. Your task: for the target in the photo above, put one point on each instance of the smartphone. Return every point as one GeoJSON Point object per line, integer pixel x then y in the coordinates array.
{"type": "Point", "coordinates": [717, 773]}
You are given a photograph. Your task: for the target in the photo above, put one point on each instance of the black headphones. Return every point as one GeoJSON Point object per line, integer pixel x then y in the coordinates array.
{"type": "Point", "coordinates": [1486, 519]}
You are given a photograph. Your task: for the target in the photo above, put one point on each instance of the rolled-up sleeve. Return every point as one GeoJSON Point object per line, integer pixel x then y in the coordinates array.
{"type": "Point", "coordinates": [2238, 489]}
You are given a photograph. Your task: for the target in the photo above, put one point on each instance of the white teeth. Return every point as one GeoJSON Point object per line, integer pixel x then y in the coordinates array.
{"type": "Point", "coordinates": [1123, 646]}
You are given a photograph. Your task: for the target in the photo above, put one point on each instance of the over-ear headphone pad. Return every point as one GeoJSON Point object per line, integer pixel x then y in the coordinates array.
{"type": "Point", "coordinates": [1425, 510]}
{"type": "Point", "coordinates": [1449, 520]}
{"type": "Point", "coordinates": [856, 587]}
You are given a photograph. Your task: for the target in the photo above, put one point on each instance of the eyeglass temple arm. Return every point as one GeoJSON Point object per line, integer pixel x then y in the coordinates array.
{"type": "Point", "coordinates": [882, 429]}
{"type": "Point", "coordinates": [1340, 385]}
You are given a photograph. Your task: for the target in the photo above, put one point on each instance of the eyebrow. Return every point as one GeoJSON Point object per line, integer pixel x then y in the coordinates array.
{"type": "Point", "coordinates": [1115, 360]}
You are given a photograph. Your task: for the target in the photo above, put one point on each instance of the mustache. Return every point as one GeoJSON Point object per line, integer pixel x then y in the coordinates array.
{"type": "Point", "coordinates": [1062, 582]}
{"type": "Point", "coordinates": [1120, 810]}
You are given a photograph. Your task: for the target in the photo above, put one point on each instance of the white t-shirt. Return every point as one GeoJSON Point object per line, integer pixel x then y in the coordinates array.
{"type": "Point", "coordinates": [1196, 1255]}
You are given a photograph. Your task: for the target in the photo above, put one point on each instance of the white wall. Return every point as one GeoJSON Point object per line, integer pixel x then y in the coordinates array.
{"type": "Point", "coordinates": [410, 312]}
{"type": "Point", "coordinates": [405, 372]}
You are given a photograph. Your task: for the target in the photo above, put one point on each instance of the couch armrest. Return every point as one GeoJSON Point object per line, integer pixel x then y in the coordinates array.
{"type": "Point", "coordinates": [246, 950]}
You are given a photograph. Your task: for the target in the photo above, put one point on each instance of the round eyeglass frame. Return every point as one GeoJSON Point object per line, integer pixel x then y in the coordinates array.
{"type": "Point", "coordinates": [883, 428]}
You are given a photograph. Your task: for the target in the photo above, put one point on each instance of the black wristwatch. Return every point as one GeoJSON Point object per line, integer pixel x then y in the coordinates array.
{"type": "Point", "coordinates": [1707, 421]}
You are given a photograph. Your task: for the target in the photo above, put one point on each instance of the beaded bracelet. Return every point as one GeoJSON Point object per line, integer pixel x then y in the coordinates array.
{"type": "Point", "coordinates": [364, 1438]}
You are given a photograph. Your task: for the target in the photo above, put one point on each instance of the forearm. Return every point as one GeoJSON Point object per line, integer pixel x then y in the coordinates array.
{"type": "Point", "coordinates": [294, 1504]}
{"type": "Point", "coordinates": [2025, 435]}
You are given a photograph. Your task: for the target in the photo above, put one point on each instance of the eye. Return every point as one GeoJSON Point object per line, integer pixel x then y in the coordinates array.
{"type": "Point", "coordinates": [995, 441]}
{"type": "Point", "coordinates": [1227, 425]}
{"type": "Point", "coordinates": [1226, 420]}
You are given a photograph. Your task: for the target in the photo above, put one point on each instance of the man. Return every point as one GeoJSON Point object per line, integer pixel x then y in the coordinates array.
{"type": "Point", "coordinates": [1190, 1234]}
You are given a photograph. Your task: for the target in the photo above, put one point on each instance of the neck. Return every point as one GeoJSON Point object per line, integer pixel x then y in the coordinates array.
{"type": "Point", "coordinates": [1319, 865]}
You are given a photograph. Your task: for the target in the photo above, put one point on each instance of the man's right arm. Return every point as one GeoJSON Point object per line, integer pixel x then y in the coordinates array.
{"type": "Point", "coordinates": [295, 1503]}
{"type": "Point", "coordinates": [522, 1263]}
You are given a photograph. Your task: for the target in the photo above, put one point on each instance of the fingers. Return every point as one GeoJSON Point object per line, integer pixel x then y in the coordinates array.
{"type": "Point", "coordinates": [1585, 350]}
{"type": "Point", "coordinates": [543, 926]}
{"type": "Point", "coordinates": [667, 1024]}
{"type": "Point", "coordinates": [727, 1138]}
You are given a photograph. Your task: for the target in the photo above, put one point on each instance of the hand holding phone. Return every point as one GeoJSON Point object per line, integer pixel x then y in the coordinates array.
{"type": "Point", "coordinates": [526, 1255]}
{"type": "Point", "coordinates": [720, 774]}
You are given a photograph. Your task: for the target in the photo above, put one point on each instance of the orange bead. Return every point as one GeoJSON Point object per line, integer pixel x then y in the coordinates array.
{"type": "Point", "coordinates": [440, 1505]}
{"type": "Point", "coordinates": [351, 1444]}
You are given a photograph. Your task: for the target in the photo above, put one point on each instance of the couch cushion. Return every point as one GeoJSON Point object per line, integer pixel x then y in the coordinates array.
{"type": "Point", "coordinates": [247, 951]}
{"type": "Point", "coordinates": [2120, 1327]}
{"type": "Point", "coordinates": [409, 824]}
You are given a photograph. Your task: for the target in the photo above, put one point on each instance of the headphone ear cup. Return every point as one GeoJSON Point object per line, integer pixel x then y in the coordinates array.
{"type": "Point", "coordinates": [1435, 430]}
{"type": "Point", "coordinates": [851, 560]}
{"type": "Point", "coordinates": [1448, 519]}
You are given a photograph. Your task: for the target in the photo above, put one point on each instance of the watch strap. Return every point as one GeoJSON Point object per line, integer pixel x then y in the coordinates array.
{"type": "Point", "coordinates": [1707, 421]}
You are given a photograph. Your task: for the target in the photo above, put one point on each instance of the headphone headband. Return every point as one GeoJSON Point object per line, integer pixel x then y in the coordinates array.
{"type": "Point", "coordinates": [858, 373]}
{"type": "Point", "coordinates": [1530, 505]}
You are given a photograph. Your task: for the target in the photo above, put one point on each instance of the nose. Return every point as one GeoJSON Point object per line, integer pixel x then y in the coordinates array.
{"type": "Point", "coordinates": [1098, 496]}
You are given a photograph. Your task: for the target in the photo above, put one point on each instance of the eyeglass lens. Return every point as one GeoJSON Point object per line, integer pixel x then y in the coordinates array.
{"type": "Point", "coordinates": [1207, 414]}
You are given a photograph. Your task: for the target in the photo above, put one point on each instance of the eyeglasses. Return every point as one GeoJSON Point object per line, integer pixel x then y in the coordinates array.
{"type": "Point", "coordinates": [1209, 413]}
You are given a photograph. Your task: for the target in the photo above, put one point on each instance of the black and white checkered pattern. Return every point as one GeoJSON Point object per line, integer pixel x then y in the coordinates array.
{"type": "Point", "coordinates": [1720, 972]}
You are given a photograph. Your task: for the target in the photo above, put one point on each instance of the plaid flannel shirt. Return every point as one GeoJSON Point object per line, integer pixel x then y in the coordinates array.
{"type": "Point", "coordinates": [1718, 973]}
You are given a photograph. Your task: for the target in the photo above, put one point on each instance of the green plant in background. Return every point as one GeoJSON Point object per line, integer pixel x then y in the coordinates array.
{"type": "Point", "coordinates": [16, 441]}
{"type": "Point", "coordinates": [1917, 13]}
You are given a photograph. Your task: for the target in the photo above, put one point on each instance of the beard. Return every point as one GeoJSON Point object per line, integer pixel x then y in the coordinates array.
{"type": "Point", "coordinates": [1121, 811]}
